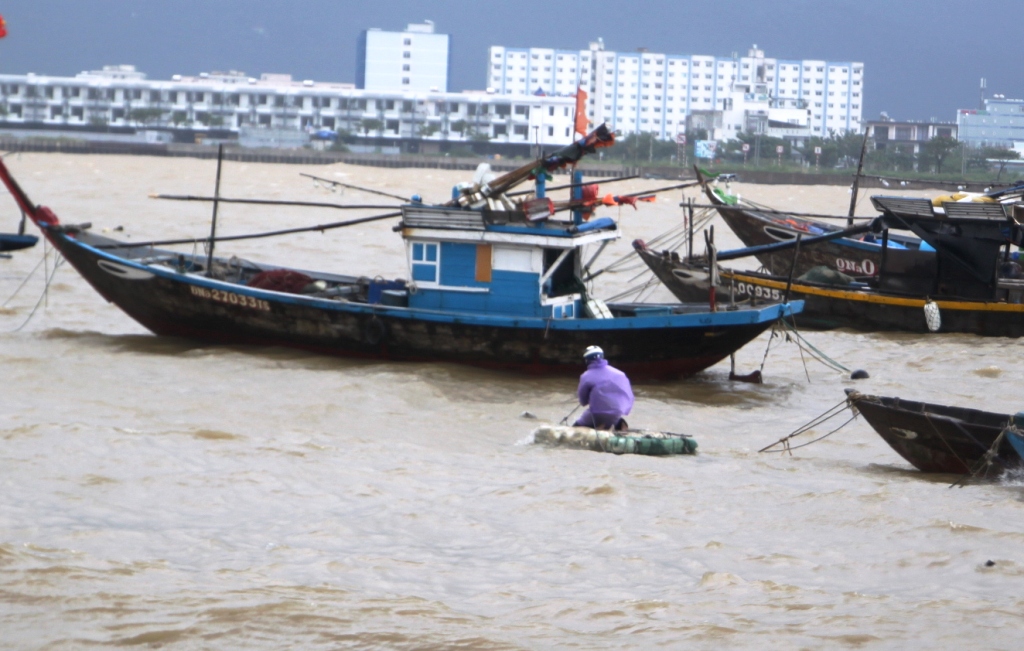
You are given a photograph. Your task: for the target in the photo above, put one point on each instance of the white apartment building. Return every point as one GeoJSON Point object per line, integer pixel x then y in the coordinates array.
{"type": "Point", "coordinates": [119, 99]}
{"type": "Point", "coordinates": [662, 93]}
{"type": "Point", "coordinates": [416, 59]}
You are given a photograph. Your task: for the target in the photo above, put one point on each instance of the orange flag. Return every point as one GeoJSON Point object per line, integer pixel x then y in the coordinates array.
{"type": "Point", "coordinates": [3, 27]}
{"type": "Point", "coordinates": [581, 112]}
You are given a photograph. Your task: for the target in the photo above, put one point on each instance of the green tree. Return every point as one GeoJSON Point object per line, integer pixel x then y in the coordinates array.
{"type": "Point", "coordinates": [372, 124]}
{"type": "Point", "coordinates": [891, 159]}
{"type": "Point", "coordinates": [145, 115]}
{"type": "Point", "coordinates": [936, 152]}
{"type": "Point", "coordinates": [637, 147]}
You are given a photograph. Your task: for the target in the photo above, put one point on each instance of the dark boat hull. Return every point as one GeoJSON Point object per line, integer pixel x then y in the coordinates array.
{"type": "Point", "coordinates": [854, 257]}
{"type": "Point", "coordinates": [189, 305]}
{"type": "Point", "coordinates": [827, 307]}
{"type": "Point", "coordinates": [937, 438]}
{"type": "Point", "coordinates": [12, 242]}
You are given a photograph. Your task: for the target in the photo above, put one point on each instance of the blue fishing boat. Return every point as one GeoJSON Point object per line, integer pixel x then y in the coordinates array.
{"type": "Point", "coordinates": [494, 281]}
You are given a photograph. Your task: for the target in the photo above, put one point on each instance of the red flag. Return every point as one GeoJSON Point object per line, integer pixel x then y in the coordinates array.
{"type": "Point", "coordinates": [3, 27]}
{"type": "Point", "coordinates": [581, 112]}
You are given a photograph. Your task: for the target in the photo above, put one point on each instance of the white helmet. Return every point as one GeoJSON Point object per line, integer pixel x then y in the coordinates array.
{"type": "Point", "coordinates": [593, 352]}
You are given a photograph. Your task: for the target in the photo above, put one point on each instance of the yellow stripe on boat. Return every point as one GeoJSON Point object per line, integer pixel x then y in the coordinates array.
{"type": "Point", "coordinates": [870, 297]}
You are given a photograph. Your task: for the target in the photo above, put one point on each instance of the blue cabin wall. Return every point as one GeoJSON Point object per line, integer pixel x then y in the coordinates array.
{"type": "Point", "coordinates": [458, 266]}
{"type": "Point", "coordinates": [510, 292]}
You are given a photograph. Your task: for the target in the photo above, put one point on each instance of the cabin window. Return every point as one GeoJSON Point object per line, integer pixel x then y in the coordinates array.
{"type": "Point", "coordinates": [424, 262]}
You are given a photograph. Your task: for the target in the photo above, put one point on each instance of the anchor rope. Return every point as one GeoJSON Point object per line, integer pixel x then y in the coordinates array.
{"type": "Point", "coordinates": [812, 350]}
{"type": "Point", "coordinates": [50, 274]}
{"type": "Point", "coordinates": [824, 417]}
{"type": "Point", "coordinates": [27, 278]}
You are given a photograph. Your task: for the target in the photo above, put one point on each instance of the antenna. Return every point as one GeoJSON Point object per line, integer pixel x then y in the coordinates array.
{"type": "Point", "coordinates": [984, 85]}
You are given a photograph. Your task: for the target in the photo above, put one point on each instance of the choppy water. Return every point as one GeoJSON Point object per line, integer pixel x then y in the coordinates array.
{"type": "Point", "coordinates": [164, 493]}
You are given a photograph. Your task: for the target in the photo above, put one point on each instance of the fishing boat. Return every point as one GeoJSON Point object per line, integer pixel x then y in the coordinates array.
{"type": "Point", "coordinates": [494, 282]}
{"type": "Point", "coordinates": [858, 255]}
{"type": "Point", "coordinates": [972, 282]}
{"type": "Point", "coordinates": [939, 438]}
{"type": "Point", "coordinates": [17, 241]}
{"type": "Point", "coordinates": [632, 441]}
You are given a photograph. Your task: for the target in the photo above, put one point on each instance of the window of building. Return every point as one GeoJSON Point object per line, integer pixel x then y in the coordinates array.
{"type": "Point", "coordinates": [406, 55]}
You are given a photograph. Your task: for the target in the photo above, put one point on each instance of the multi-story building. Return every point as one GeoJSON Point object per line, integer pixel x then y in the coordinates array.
{"type": "Point", "coordinates": [416, 59]}
{"type": "Point", "coordinates": [998, 123]}
{"type": "Point", "coordinates": [119, 98]}
{"type": "Point", "coordinates": [908, 135]}
{"type": "Point", "coordinates": [659, 93]}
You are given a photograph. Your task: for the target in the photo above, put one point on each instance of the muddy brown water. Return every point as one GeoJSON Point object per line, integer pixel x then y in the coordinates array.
{"type": "Point", "coordinates": [164, 493]}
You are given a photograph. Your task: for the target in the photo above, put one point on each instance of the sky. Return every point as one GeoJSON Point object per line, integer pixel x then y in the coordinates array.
{"type": "Point", "coordinates": [922, 59]}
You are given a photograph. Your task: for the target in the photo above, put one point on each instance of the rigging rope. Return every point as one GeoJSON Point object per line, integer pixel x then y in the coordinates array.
{"type": "Point", "coordinates": [27, 278]}
{"type": "Point", "coordinates": [829, 414]}
{"type": "Point", "coordinates": [50, 275]}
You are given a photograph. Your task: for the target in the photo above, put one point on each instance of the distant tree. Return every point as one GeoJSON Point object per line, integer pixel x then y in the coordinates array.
{"type": "Point", "coordinates": [891, 159]}
{"type": "Point", "coordinates": [936, 151]}
{"type": "Point", "coordinates": [642, 147]}
{"type": "Point", "coordinates": [145, 115]}
{"type": "Point", "coordinates": [459, 126]}
{"type": "Point", "coordinates": [429, 129]}
{"type": "Point", "coordinates": [848, 146]}
{"type": "Point", "coordinates": [977, 158]}
{"type": "Point", "coordinates": [372, 124]}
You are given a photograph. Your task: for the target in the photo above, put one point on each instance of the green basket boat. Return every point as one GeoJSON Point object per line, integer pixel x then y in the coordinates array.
{"type": "Point", "coordinates": [633, 441]}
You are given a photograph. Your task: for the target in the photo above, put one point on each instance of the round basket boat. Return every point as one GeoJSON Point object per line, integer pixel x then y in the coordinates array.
{"type": "Point", "coordinates": [634, 441]}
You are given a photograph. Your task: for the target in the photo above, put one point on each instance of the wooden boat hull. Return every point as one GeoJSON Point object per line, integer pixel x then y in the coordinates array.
{"type": "Point", "coordinates": [937, 438]}
{"type": "Point", "coordinates": [13, 242]}
{"type": "Point", "coordinates": [827, 307]}
{"type": "Point", "coordinates": [191, 305]}
{"type": "Point", "coordinates": [854, 257]}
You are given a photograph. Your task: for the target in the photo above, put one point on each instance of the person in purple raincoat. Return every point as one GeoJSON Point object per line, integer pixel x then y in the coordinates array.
{"type": "Point", "coordinates": [605, 392]}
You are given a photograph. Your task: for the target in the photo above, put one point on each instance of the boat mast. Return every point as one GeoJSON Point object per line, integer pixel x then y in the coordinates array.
{"type": "Point", "coordinates": [213, 221]}
{"type": "Point", "coordinates": [856, 179]}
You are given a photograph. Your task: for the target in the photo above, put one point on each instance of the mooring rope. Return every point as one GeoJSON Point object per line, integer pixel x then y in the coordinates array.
{"type": "Point", "coordinates": [27, 278]}
{"type": "Point", "coordinates": [829, 414]}
{"type": "Point", "coordinates": [812, 350]}
{"type": "Point", "coordinates": [50, 275]}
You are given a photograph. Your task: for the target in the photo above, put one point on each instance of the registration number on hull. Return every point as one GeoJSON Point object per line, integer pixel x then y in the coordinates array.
{"type": "Point", "coordinates": [757, 291]}
{"type": "Point", "coordinates": [230, 298]}
{"type": "Point", "coordinates": [862, 268]}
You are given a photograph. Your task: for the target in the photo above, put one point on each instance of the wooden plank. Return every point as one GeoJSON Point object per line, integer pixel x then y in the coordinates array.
{"type": "Point", "coordinates": [483, 263]}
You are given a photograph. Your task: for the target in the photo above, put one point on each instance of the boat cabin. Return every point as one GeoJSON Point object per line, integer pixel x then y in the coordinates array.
{"type": "Point", "coordinates": [497, 262]}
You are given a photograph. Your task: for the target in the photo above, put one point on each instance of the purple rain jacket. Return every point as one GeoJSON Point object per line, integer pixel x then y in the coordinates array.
{"type": "Point", "coordinates": [605, 389]}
